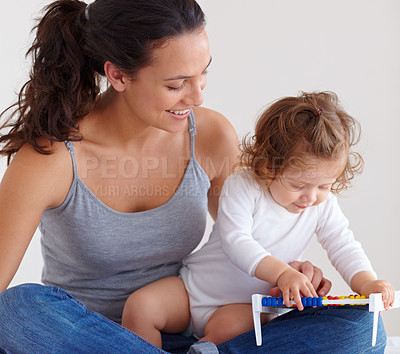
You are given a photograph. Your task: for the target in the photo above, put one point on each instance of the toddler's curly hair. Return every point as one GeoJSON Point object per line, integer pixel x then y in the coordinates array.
{"type": "Point", "coordinates": [294, 128]}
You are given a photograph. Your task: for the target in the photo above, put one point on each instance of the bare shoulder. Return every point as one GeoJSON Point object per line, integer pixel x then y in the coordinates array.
{"type": "Point", "coordinates": [48, 177]}
{"type": "Point", "coordinates": [57, 162]}
{"type": "Point", "coordinates": [215, 132]}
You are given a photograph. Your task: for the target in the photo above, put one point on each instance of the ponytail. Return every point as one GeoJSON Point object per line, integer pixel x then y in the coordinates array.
{"type": "Point", "coordinates": [69, 53]}
{"type": "Point", "coordinates": [62, 87]}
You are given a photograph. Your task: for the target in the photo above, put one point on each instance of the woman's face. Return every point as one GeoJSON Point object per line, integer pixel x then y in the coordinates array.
{"type": "Point", "coordinates": [162, 94]}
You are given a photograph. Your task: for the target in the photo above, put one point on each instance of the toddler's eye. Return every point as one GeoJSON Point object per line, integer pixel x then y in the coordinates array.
{"type": "Point", "coordinates": [297, 186]}
{"type": "Point", "coordinates": [324, 188]}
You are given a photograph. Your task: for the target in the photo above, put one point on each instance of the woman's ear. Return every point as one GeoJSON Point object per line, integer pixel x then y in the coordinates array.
{"type": "Point", "coordinates": [115, 76]}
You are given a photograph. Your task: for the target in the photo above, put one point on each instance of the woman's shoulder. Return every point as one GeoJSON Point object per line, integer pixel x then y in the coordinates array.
{"type": "Point", "coordinates": [216, 136]}
{"type": "Point", "coordinates": [217, 145]}
{"type": "Point", "coordinates": [55, 157]}
{"type": "Point", "coordinates": [50, 174]}
{"type": "Point", "coordinates": [213, 125]}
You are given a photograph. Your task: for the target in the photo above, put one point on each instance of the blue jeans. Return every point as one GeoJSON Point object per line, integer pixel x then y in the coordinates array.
{"type": "Point", "coordinates": [43, 319]}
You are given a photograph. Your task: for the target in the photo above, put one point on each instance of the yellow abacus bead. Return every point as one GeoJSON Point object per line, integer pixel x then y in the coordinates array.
{"type": "Point", "coordinates": [342, 298]}
{"type": "Point", "coordinates": [351, 297]}
{"type": "Point", "coordinates": [325, 298]}
{"type": "Point", "coordinates": [362, 297]}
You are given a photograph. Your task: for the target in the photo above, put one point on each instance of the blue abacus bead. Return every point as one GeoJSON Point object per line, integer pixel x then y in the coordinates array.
{"type": "Point", "coordinates": [309, 301]}
{"type": "Point", "coordinates": [314, 301]}
{"type": "Point", "coordinates": [268, 301]}
{"type": "Point", "coordinates": [264, 301]}
{"type": "Point", "coordinates": [319, 302]}
{"type": "Point", "coordinates": [273, 301]}
{"type": "Point", "coordinates": [304, 301]}
{"type": "Point", "coordinates": [280, 301]}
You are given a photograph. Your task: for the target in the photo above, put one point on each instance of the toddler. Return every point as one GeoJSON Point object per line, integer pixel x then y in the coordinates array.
{"type": "Point", "coordinates": [298, 159]}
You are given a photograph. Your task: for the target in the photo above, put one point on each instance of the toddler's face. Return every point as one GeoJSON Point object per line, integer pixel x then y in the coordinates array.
{"type": "Point", "coordinates": [296, 190]}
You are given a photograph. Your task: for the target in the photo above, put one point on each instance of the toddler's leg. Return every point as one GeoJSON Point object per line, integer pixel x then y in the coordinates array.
{"type": "Point", "coordinates": [159, 306]}
{"type": "Point", "coordinates": [229, 321]}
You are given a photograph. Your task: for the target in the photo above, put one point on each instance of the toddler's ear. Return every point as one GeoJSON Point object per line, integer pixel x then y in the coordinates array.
{"type": "Point", "coordinates": [269, 176]}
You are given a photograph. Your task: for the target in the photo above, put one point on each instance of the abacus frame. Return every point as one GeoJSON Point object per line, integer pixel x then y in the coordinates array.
{"type": "Point", "coordinates": [375, 305]}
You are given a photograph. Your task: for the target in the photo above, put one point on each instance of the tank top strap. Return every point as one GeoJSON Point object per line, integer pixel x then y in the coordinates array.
{"type": "Point", "coordinates": [192, 130]}
{"type": "Point", "coordinates": [71, 150]}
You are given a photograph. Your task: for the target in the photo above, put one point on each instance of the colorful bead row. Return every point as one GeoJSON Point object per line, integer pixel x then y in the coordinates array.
{"type": "Point", "coordinates": [278, 301]}
{"type": "Point", "coordinates": [351, 297]}
{"type": "Point", "coordinates": [311, 301]}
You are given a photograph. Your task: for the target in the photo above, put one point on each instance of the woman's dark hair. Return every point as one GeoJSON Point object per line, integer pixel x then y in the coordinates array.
{"type": "Point", "coordinates": [295, 128]}
{"type": "Point", "coordinates": [71, 46]}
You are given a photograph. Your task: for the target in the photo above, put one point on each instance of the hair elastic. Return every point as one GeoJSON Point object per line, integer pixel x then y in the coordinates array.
{"type": "Point", "coordinates": [87, 12]}
{"type": "Point", "coordinates": [317, 112]}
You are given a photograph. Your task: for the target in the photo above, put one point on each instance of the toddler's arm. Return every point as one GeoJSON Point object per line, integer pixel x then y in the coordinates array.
{"type": "Point", "coordinates": [289, 280]}
{"type": "Point", "coordinates": [365, 283]}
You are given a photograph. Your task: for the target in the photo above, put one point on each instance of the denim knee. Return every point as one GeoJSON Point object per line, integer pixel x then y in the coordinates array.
{"type": "Point", "coordinates": [28, 295]}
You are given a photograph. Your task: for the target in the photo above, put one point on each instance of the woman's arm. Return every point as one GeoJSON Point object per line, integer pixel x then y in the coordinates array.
{"type": "Point", "coordinates": [32, 183]}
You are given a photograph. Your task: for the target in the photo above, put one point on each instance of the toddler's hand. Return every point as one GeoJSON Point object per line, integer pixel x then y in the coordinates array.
{"type": "Point", "coordinates": [293, 282]}
{"type": "Point", "coordinates": [380, 286]}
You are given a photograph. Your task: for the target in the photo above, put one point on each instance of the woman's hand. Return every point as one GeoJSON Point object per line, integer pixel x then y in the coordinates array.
{"type": "Point", "coordinates": [313, 273]}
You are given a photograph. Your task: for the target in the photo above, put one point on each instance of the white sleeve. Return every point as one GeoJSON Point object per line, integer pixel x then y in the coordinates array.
{"type": "Point", "coordinates": [344, 252]}
{"type": "Point", "coordinates": [235, 222]}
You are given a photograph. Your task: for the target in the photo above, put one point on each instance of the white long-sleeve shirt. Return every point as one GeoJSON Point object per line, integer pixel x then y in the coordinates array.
{"type": "Point", "coordinates": [251, 226]}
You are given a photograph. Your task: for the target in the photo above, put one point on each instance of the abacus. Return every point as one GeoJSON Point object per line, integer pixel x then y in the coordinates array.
{"type": "Point", "coordinates": [265, 303]}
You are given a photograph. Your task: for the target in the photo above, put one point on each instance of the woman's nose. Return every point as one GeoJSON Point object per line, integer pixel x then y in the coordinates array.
{"type": "Point", "coordinates": [195, 96]}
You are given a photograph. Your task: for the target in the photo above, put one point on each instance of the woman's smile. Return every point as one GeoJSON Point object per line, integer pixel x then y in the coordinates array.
{"type": "Point", "coordinates": [180, 115]}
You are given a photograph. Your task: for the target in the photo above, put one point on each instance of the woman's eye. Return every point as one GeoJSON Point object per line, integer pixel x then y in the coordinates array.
{"type": "Point", "coordinates": [171, 88]}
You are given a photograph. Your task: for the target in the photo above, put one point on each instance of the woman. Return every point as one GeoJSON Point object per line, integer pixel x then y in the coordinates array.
{"type": "Point", "coordinates": [119, 182]}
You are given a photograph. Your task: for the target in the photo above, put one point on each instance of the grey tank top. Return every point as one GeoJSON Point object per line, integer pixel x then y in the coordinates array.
{"type": "Point", "coordinates": [101, 255]}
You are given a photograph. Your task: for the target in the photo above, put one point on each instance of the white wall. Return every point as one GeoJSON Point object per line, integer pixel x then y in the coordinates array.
{"type": "Point", "coordinates": [266, 49]}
